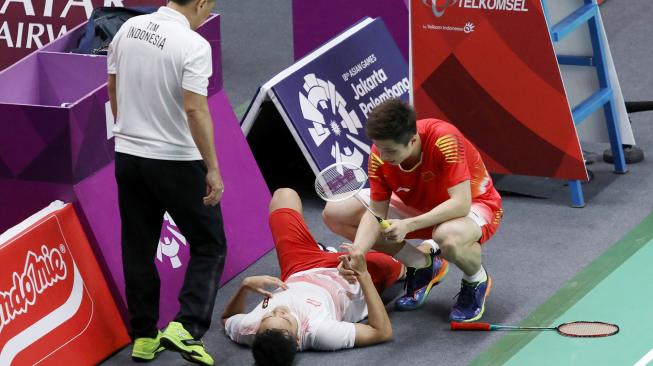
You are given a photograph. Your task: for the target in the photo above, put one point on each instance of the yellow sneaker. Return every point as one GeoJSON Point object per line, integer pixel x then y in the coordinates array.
{"type": "Point", "coordinates": [176, 338]}
{"type": "Point", "coordinates": [146, 349]}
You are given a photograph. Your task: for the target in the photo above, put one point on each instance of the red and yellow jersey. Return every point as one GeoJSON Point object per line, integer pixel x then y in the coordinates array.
{"type": "Point", "coordinates": [448, 159]}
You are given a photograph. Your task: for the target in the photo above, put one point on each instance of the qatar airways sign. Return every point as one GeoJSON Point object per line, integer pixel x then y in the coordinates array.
{"type": "Point", "coordinates": [27, 25]}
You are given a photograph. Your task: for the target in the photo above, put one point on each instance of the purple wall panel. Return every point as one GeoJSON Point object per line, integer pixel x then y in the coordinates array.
{"type": "Point", "coordinates": [19, 200]}
{"type": "Point", "coordinates": [91, 149]}
{"type": "Point", "coordinates": [66, 42]}
{"type": "Point", "coordinates": [316, 21]}
{"type": "Point", "coordinates": [34, 145]}
{"type": "Point", "coordinates": [18, 82]}
{"type": "Point", "coordinates": [49, 153]}
{"type": "Point", "coordinates": [67, 78]}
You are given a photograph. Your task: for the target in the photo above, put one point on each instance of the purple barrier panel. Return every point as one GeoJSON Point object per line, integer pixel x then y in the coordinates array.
{"type": "Point", "coordinates": [90, 122]}
{"type": "Point", "coordinates": [244, 208]}
{"type": "Point", "coordinates": [34, 146]}
{"type": "Point", "coordinates": [19, 82]}
{"type": "Point", "coordinates": [317, 21]}
{"type": "Point", "coordinates": [66, 42]}
{"type": "Point", "coordinates": [43, 141]}
{"type": "Point", "coordinates": [49, 152]}
{"type": "Point", "coordinates": [19, 201]}
{"type": "Point", "coordinates": [68, 78]}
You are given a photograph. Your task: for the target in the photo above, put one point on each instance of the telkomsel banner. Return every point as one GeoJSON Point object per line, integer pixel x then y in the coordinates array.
{"type": "Point", "coordinates": [55, 307]}
{"type": "Point", "coordinates": [489, 67]}
{"type": "Point", "coordinates": [27, 25]}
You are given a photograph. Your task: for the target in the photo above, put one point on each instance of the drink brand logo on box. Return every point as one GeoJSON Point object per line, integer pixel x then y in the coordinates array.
{"type": "Point", "coordinates": [42, 295]}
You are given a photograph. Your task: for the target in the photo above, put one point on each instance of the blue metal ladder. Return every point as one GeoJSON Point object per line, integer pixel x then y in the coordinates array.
{"type": "Point", "coordinates": [604, 97]}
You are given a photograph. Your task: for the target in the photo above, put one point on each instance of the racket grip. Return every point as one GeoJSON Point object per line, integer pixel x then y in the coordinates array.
{"type": "Point", "coordinates": [470, 326]}
{"type": "Point", "coordinates": [384, 224]}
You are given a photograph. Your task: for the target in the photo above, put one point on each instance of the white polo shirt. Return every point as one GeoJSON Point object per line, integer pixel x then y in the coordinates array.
{"type": "Point", "coordinates": [154, 56]}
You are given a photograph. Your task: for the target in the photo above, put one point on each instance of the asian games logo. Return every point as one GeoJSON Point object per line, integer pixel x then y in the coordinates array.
{"type": "Point", "coordinates": [170, 242]}
{"type": "Point", "coordinates": [333, 126]}
{"type": "Point", "coordinates": [438, 10]}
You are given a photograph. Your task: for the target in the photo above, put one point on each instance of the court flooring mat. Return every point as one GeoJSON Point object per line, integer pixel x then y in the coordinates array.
{"type": "Point", "coordinates": [616, 288]}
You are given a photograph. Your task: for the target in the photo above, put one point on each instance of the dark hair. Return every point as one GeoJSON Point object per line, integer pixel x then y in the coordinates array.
{"type": "Point", "coordinates": [392, 120]}
{"type": "Point", "coordinates": [274, 347]}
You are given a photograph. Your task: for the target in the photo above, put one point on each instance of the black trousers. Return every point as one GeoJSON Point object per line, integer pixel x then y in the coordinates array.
{"type": "Point", "coordinates": [147, 188]}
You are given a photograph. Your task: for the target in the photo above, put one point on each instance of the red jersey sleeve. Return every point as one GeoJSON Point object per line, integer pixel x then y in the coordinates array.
{"type": "Point", "coordinates": [449, 150]}
{"type": "Point", "coordinates": [379, 188]}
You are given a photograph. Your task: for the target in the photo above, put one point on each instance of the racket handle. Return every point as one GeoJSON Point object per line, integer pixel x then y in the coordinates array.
{"type": "Point", "coordinates": [384, 223]}
{"type": "Point", "coordinates": [471, 326]}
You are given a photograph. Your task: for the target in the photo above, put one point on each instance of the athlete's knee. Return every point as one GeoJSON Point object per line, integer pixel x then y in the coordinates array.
{"type": "Point", "coordinates": [334, 215]}
{"type": "Point", "coordinates": [448, 243]}
{"type": "Point", "coordinates": [285, 198]}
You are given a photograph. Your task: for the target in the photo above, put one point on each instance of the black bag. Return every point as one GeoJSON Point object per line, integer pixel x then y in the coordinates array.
{"type": "Point", "coordinates": [103, 25]}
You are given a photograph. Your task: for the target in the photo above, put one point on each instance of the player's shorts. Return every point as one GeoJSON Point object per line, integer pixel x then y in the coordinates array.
{"type": "Point", "coordinates": [485, 216]}
{"type": "Point", "coordinates": [298, 251]}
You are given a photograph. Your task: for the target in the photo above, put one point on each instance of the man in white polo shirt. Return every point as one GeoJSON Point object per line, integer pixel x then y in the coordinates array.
{"type": "Point", "coordinates": [166, 162]}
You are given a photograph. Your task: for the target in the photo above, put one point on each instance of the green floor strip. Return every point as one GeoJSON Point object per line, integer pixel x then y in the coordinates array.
{"type": "Point", "coordinates": [622, 298]}
{"type": "Point", "coordinates": [568, 295]}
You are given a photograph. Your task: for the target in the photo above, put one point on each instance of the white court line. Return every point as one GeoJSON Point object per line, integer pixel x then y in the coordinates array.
{"type": "Point", "coordinates": [646, 359]}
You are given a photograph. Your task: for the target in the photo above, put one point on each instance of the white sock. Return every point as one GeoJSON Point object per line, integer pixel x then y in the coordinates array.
{"type": "Point", "coordinates": [412, 257]}
{"type": "Point", "coordinates": [433, 244]}
{"type": "Point", "coordinates": [479, 276]}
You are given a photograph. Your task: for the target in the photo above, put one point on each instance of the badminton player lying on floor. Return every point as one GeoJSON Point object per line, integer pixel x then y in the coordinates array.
{"type": "Point", "coordinates": [314, 307]}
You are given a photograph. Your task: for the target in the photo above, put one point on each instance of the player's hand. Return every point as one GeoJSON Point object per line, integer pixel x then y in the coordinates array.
{"type": "Point", "coordinates": [352, 265]}
{"type": "Point", "coordinates": [259, 284]}
{"type": "Point", "coordinates": [397, 231]}
{"type": "Point", "coordinates": [214, 188]}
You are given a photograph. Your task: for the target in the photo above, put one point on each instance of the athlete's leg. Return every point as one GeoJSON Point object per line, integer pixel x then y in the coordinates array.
{"type": "Point", "coordinates": [296, 248]}
{"type": "Point", "coordinates": [343, 217]}
{"type": "Point", "coordinates": [458, 241]}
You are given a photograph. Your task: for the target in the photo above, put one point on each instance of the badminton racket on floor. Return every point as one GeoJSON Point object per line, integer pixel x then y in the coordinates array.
{"type": "Point", "coordinates": [341, 181]}
{"type": "Point", "coordinates": [584, 329]}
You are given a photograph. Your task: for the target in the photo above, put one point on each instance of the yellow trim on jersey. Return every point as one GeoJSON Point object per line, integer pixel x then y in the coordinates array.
{"type": "Point", "coordinates": [374, 163]}
{"type": "Point", "coordinates": [449, 146]}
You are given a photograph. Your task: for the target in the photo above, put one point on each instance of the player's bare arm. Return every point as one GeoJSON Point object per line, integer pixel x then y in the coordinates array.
{"type": "Point", "coordinates": [379, 328]}
{"type": "Point", "coordinates": [458, 205]}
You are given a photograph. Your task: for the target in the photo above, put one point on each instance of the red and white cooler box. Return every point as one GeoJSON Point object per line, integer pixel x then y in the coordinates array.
{"type": "Point", "coordinates": [55, 306]}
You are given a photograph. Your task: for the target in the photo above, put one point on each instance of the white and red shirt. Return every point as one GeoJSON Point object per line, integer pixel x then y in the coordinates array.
{"type": "Point", "coordinates": [326, 306]}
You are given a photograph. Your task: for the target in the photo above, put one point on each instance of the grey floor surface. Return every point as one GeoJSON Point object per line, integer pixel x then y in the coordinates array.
{"type": "Point", "coordinates": [541, 244]}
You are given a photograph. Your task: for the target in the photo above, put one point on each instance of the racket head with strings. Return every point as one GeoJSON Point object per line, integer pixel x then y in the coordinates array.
{"type": "Point", "coordinates": [587, 329]}
{"type": "Point", "coordinates": [341, 181]}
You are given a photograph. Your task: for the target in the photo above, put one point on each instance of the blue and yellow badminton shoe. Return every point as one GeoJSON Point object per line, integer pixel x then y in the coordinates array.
{"type": "Point", "coordinates": [470, 304]}
{"type": "Point", "coordinates": [419, 282]}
